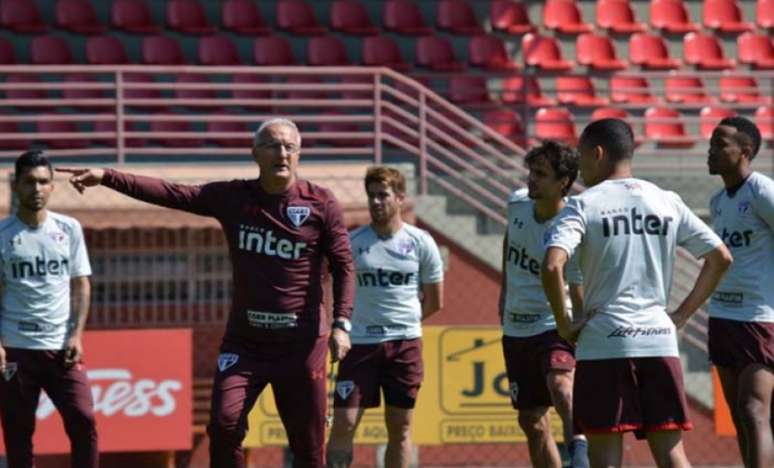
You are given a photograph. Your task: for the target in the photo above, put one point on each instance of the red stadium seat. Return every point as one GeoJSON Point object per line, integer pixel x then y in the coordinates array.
{"type": "Point", "coordinates": [710, 117]}
{"type": "Point", "coordinates": [457, 17]}
{"type": "Point", "coordinates": [577, 91]}
{"type": "Point", "coordinates": [331, 126]}
{"type": "Point", "coordinates": [243, 17]}
{"type": "Point", "coordinates": [555, 124]}
{"type": "Point", "coordinates": [705, 53]}
{"type": "Point", "coordinates": [631, 90]}
{"type": "Point", "coordinates": [383, 51]}
{"type": "Point", "coordinates": [29, 93]}
{"type": "Point", "coordinates": [404, 17]}
{"type": "Point", "coordinates": [597, 52]}
{"type": "Point", "coordinates": [564, 16]}
{"type": "Point", "coordinates": [58, 126]}
{"type": "Point", "coordinates": [326, 51]}
{"type": "Point", "coordinates": [7, 53]}
{"type": "Point", "coordinates": [297, 17]}
{"type": "Point", "coordinates": [12, 128]}
{"type": "Point", "coordinates": [489, 52]}
{"type": "Point", "coordinates": [21, 16]}
{"type": "Point", "coordinates": [175, 126]}
{"type": "Point", "coordinates": [129, 126]}
{"type": "Point", "coordinates": [218, 50]}
{"type": "Point", "coordinates": [351, 17]}
{"type": "Point", "coordinates": [232, 127]}
{"type": "Point", "coordinates": [297, 92]}
{"type": "Point", "coordinates": [437, 53]}
{"type": "Point", "coordinates": [50, 50]}
{"type": "Point", "coordinates": [664, 127]}
{"type": "Point", "coordinates": [740, 89]}
{"type": "Point", "coordinates": [508, 124]}
{"type": "Point", "coordinates": [273, 50]}
{"type": "Point", "coordinates": [140, 93]}
{"type": "Point", "coordinates": [71, 93]}
{"type": "Point", "coordinates": [162, 50]}
{"type": "Point", "coordinates": [764, 119]}
{"type": "Point", "coordinates": [514, 92]}
{"type": "Point", "coordinates": [609, 113]}
{"type": "Point", "coordinates": [187, 17]}
{"type": "Point", "coordinates": [468, 90]}
{"type": "Point", "coordinates": [510, 16]}
{"type": "Point", "coordinates": [543, 52]}
{"type": "Point", "coordinates": [756, 50]}
{"type": "Point", "coordinates": [650, 52]}
{"type": "Point", "coordinates": [250, 79]}
{"type": "Point", "coordinates": [105, 50]}
{"type": "Point", "coordinates": [764, 13]}
{"type": "Point", "coordinates": [349, 80]}
{"type": "Point", "coordinates": [617, 16]}
{"type": "Point", "coordinates": [194, 93]}
{"type": "Point", "coordinates": [671, 16]}
{"type": "Point", "coordinates": [133, 16]}
{"type": "Point", "coordinates": [685, 90]}
{"type": "Point", "coordinates": [78, 16]}
{"type": "Point", "coordinates": [724, 16]}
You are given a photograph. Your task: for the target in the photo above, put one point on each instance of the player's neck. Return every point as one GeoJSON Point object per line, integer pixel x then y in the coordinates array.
{"type": "Point", "coordinates": [276, 185]}
{"type": "Point", "coordinates": [621, 170]}
{"type": "Point", "coordinates": [387, 228]}
{"type": "Point", "coordinates": [736, 178]}
{"type": "Point", "coordinates": [547, 209]}
{"type": "Point", "coordinates": [32, 218]}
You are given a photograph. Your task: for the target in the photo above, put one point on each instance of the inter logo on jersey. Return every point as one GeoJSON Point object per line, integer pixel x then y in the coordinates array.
{"type": "Point", "coordinates": [298, 214]}
{"type": "Point", "coordinates": [634, 223]}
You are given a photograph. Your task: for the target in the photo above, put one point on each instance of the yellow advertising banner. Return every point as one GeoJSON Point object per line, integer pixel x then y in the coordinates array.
{"type": "Point", "coordinates": [464, 398]}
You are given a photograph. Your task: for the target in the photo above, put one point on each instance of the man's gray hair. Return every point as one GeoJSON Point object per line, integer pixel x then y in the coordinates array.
{"type": "Point", "coordinates": [275, 121]}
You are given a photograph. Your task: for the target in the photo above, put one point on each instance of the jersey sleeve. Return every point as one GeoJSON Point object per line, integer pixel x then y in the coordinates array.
{"type": "Point", "coordinates": [764, 202]}
{"type": "Point", "coordinates": [430, 262]}
{"type": "Point", "coordinates": [337, 247]}
{"type": "Point", "coordinates": [569, 228]}
{"type": "Point", "coordinates": [79, 257]}
{"type": "Point", "coordinates": [692, 233]}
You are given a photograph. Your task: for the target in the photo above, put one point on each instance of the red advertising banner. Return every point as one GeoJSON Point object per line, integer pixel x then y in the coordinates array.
{"type": "Point", "coordinates": [141, 385]}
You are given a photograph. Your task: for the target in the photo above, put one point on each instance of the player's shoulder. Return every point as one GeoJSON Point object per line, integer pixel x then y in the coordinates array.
{"type": "Point", "coordinates": [8, 224]}
{"type": "Point", "coordinates": [360, 232]}
{"type": "Point", "coordinates": [717, 196]}
{"type": "Point", "coordinates": [519, 196]}
{"type": "Point", "coordinates": [416, 233]}
{"type": "Point", "coordinates": [65, 222]}
{"type": "Point", "coordinates": [761, 186]}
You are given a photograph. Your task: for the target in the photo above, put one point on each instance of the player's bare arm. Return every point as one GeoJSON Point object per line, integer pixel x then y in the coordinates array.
{"type": "Point", "coordinates": [554, 287]}
{"type": "Point", "coordinates": [2, 349]}
{"type": "Point", "coordinates": [80, 179]}
{"type": "Point", "coordinates": [432, 299]}
{"type": "Point", "coordinates": [716, 262]}
{"type": "Point", "coordinates": [576, 299]}
{"type": "Point", "coordinates": [80, 295]}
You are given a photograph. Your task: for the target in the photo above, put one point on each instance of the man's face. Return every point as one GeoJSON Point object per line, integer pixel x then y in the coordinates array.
{"type": "Point", "coordinates": [543, 183]}
{"type": "Point", "coordinates": [726, 153]}
{"type": "Point", "coordinates": [588, 164]}
{"type": "Point", "coordinates": [383, 203]}
{"type": "Point", "coordinates": [33, 188]}
{"type": "Point", "coordinates": [277, 152]}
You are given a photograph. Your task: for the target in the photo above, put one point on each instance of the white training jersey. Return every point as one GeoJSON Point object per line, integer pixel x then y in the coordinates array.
{"type": "Point", "coordinates": [745, 223]}
{"type": "Point", "coordinates": [624, 233]}
{"type": "Point", "coordinates": [389, 272]}
{"type": "Point", "coordinates": [36, 266]}
{"type": "Point", "coordinates": [526, 310]}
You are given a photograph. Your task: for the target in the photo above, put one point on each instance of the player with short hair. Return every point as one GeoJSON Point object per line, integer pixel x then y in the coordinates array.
{"type": "Point", "coordinates": [45, 273]}
{"type": "Point", "coordinates": [279, 230]}
{"type": "Point", "coordinates": [399, 284]}
{"type": "Point", "coordinates": [540, 363]}
{"type": "Point", "coordinates": [624, 233]}
{"type": "Point", "coordinates": [741, 324]}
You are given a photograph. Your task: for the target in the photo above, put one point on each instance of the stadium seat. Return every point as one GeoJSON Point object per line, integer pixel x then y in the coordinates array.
{"type": "Point", "coordinates": [650, 52]}
{"type": "Point", "coordinates": [218, 50]}
{"type": "Point", "coordinates": [457, 17]}
{"type": "Point", "coordinates": [671, 16]}
{"type": "Point", "coordinates": [331, 126]}
{"type": "Point", "coordinates": [297, 92]}
{"type": "Point", "coordinates": [709, 118]}
{"type": "Point", "coordinates": [133, 16]}
{"type": "Point", "coordinates": [297, 17]}
{"type": "Point", "coordinates": [577, 91]}
{"type": "Point", "coordinates": [273, 50]}
{"type": "Point", "coordinates": [12, 128]}
{"type": "Point", "coordinates": [21, 93]}
{"type": "Point", "coordinates": [195, 93]}
{"type": "Point", "coordinates": [326, 51]}
{"type": "Point", "coordinates": [58, 126]}
{"type": "Point", "coordinates": [351, 17]}
{"type": "Point", "coordinates": [141, 93]}
{"type": "Point", "coordinates": [188, 17]}
{"type": "Point", "coordinates": [241, 95]}
{"type": "Point", "coordinates": [705, 52]}
{"type": "Point", "coordinates": [664, 127]}
{"type": "Point", "coordinates": [468, 90]}
{"type": "Point", "coordinates": [764, 118]}
{"type": "Point", "coordinates": [243, 17]}
{"type": "Point", "coordinates": [756, 50]}
{"type": "Point", "coordinates": [162, 50]}
{"type": "Point", "coordinates": [543, 52]}
{"type": "Point", "coordinates": [110, 126]}
{"type": "Point", "coordinates": [508, 124]}
{"type": "Point", "coordinates": [510, 16]}
{"type": "Point", "coordinates": [609, 113]}
{"type": "Point", "coordinates": [513, 91]}
{"type": "Point", "coordinates": [105, 50]}
{"type": "Point", "coordinates": [555, 123]}
{"type": "Point", "coordinates": [437, 53]}
{"type": "Point", "coordinates": [404, 17]}
{"type": "Point", "coordinates": [21, 16]}
{"type": "Point", "coordinates": [72, 93]}
{"type": "Point", "coordinates": [764, 14]}
{"type": "Point", "coordinates": [685, 90]}
{"type": "Point", "coordinates": [7, 53]}
{"type": "Point", "coordinates": [382, 51]}
{"type": "Point", "coordinates": [564, 16]}
{"type": "Point", "coordinates": [740, 89]}
{"type": "Point", "coordinates": [78, 16]}
{"type": "Point", "coordinates": [349, 80]}
{"type": "Point", "coordinates": [597, 52]}
{"type": "Point", "coordinates": [232, 127]}
{"type": "Point", "coordinates": [631, 90]}
{"type": "Point", "coordinates": [50, 50]}
{"type": "Point", "coordinates": [175, 126]}
{"type": "Point", "coordinates": [617, 16]}
{"type": "Point", "coordinates": [724, 16]}
{"type": "Point", "coordinates": [489, 52]}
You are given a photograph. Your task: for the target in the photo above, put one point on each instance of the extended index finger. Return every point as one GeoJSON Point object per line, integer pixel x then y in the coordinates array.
{"type": "Point", "coordinates": [69, 170]}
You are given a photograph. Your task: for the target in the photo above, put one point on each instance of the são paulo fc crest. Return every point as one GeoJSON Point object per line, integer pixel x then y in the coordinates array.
{"type": "Point", "coordinates": [514, 391]}
{"type": "Point", "coordinates": [10, 370]}
{"type": "Point", "coordinates": [298, 214]}
{"type": "Point", "coordinates": [344, 388]}
{"type": "Point", "coordinates": [743, 207]}
{"type": "Point", "coordinates": [405, 247]}
{"type": "Point", "coordinates": [226, 360]}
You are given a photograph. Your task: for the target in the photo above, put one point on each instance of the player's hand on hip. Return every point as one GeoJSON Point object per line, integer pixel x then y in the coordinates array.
{"type": "Point", "coordinates": [571, 331]}
{"type": "Point", "coordinates": [679, 318]}
{"type": "Point", "coordinates": [339, 344]}
{"type": "Point", "coordinates": [80, 179]}
{"type": "Point", "coordinates": [73, 351]}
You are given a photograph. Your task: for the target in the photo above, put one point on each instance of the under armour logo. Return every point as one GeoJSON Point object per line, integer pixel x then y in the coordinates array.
{"type": "Point", "coordinates": [318, 374]}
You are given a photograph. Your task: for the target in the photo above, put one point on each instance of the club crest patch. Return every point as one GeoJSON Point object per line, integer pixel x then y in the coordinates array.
{"type": "Point", "coordinates": [226, 360]}
{"type": "Point", "coordinates": [743, 207]}
{"type": "Point", "coordinates": [10, 370]}
{"type": "Point", "coordinates": [406, 247]}
{"type": "Point", "coordinates": [298, 214]}
{"type": "Point", "coordinates": [513, 389]}
{"type": "Point", "coordinates": [344, 388]}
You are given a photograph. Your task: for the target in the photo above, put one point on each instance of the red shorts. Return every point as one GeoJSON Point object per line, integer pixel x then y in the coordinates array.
{"type": "Point", "coordinates": [528, 361]}
{"type": "Point", "coordinates": [736, 344]}
{"type": "Point", "coordinates": [394, 366]}
{"type": "Point", "coordinates": [630, 394]}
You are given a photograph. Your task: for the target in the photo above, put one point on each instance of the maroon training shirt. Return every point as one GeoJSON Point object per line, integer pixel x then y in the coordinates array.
{"type": "Point", "coordinates": [277, 244]}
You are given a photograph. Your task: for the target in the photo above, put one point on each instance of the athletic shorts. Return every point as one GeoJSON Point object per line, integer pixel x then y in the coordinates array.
{"type": "Point", "coordinates": [629, 394]}
{"type": "Point", "coordinates": [528, 360]}
{"type": "Point", "coordinates": [736, 344]}
{"type": "Point", "coordinates": [395, 367]}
